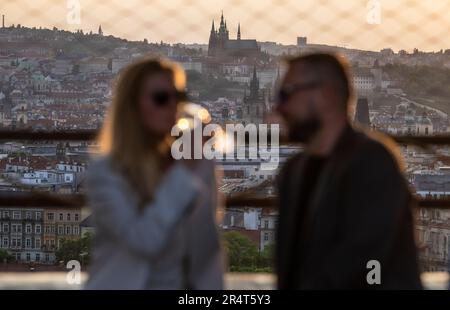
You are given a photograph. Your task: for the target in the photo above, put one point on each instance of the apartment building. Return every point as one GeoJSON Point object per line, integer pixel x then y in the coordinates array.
{"type": "Point", "coordinates": [21, 233]}
{"type": "Point", "coordinates": [60, 224]}
{"type": "Point", "coordinates": [34, 234]}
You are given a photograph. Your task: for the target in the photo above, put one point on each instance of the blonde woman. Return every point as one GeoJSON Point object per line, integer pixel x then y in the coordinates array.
{"type": "Point", "coordinates": [154, 216]}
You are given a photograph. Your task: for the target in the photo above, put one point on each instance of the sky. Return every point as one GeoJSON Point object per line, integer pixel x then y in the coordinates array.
{"type": "Point", "coordinates": [363, 24]}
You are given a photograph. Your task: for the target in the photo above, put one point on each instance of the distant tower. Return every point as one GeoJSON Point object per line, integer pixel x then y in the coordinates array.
{"type": "Point", "coordinates": [3, 21]}
{"type": "Point", "coordinates": [22, 114]}
{"type": "Point", "coordinates": [239, 31]}
{"type": "Point", "coordinates": [254, 85]}
{"type": "Point", "coordinates": [223, 33]}
{"type": "Point", "coordinates": [301, 41]}
{"type": "Point", "coordinates": [362, 113]}
{"type": "Point", "coordinates": [212, 41]}
{"type": "Point", "coordinates": [100, 31]}
{"type": "Point", "coordinates": [254, 106]}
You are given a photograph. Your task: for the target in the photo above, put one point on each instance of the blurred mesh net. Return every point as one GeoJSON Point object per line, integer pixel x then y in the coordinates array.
{"type": "Point", "coordinates": [363, 24]}
{"type": "Point", "coordinates": [369, 25]}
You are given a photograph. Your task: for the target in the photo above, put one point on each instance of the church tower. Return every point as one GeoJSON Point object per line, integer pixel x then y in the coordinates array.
{"type": "Point", "coordinates": [254, 105]}
{"type": "Point", "coordinates": [223, 33]}
{"type": "Point", "coordinates": [100, 31]}
{"type": "Point", "coordinates": [212, 41]}
{"type": "Point", "coordinates": [254, 85]}
{"type": "Point", "coordinates": [239, 32]}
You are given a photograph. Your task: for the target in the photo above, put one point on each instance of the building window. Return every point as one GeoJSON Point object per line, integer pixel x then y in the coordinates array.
{"type": "Point", "coordinates": [6, 228]}
{"type": "Point", "coordinates": [16, 215]}
{"type": "Point", "coordinates": [47, 229]}
{"type": "Point", "coordinates": [19, 242]}
{"type": "Point", "coordinates": [50, 216]}
{"type": "Point", "coordinates": [266, 224]}
{"type": "Point", "coordinates": [60, 230]}
{"type": "Point", "coordinates": [16, 228]}
{"type": "Point", "coordinates": [38, 216]}
{"type": "Point", "coordinates": [68, 230]}
{"type": "Point", "coordinates": [28, 228]}
{"type": "Point", "coordinates": [28, 215]}
{"type": "Point", "coordinates": [47, 257]}
{"type": "Point", "coordinates": [61, 217]}
{"type": "Point", "coordinates": [77, 217]}
{"type": "Point", "coordinates": [37, 243]}
{"type": "Point", "coordinates": [68, 216]}
{"type": "Point", "coordinates": [28, 257]}
{"type": "Point", "coordinates": [28, 243]}
{"type": "Point", "coordinates": [13, 242]}
{"type": "Point", "coordinates": [266, 236]}
{"type": "Point", "coordinates": [18, 256]}
{"type": "Point", "coordinates": [75, 230]}
{"type": "Point", "coordinates": [37, 229]}
{"type": "Point", "coordinates": [38, 257]}
{"type": "Point", "coordinates": [5, 242]}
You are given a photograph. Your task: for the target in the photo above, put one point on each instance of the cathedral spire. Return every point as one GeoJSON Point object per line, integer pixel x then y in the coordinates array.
{"type": "Point", "coordinates": [212, 44]}
{"type": "Point", "coordinates": [239, 31]}
{"type": "Point", "coordinates": [254, 84]}
{"type": "Point", "coordinates": [100, 31]}
{"type": "Point", "coordinates": [221, 20]}
{"type": "Point", "coordinates": [254, 73]}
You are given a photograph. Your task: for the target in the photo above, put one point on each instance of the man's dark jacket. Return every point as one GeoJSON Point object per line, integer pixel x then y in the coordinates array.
{"type": "Point", "coordinates": [360, 210]}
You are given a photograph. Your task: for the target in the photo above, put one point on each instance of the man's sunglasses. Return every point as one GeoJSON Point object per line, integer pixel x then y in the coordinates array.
{"type": "Point", "coordinates": [163, 97]}
{"type": "Point", "coordinates": [285, 93]}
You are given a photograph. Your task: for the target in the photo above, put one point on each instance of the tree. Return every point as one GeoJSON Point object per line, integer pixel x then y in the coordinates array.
{"type": "Point", "coordinates": [79, 250]}
{"type": "Point", "coordinates": [4, 255]}
{"type": "Point", "coordinates": [266, 257]}
{"type": "Point", "coordinates": [242, 252]}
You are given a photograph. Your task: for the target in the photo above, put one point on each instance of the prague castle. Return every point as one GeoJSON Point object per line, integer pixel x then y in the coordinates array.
{"type": "Point", "coordinates": [221, 45]}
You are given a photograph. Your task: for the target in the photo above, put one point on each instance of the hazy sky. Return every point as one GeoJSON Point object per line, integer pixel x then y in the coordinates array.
{"type": "Point", "coordinates": [365, 24]}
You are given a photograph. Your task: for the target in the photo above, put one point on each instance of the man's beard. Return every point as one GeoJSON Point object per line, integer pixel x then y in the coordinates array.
{"type": "Point", "coordinates": [305, 130]}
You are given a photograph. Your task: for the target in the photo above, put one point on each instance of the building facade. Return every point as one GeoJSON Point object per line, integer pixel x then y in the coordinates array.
{"type": "Point", "coordinates": [35, 234]}
{"type": "Point", "coordinates": [22, 233]}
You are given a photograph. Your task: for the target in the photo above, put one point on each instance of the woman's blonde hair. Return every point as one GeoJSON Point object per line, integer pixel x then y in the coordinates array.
{"type": "Point", "coordinates": [134, 152]}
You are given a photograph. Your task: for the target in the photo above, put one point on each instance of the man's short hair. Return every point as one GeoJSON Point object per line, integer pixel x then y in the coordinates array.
{"type": "Point", "coordinates": [328, 67]}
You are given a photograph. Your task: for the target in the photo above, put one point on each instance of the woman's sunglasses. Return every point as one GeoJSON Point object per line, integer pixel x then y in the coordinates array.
{"type": "Point", "coordinates": [163, 97]}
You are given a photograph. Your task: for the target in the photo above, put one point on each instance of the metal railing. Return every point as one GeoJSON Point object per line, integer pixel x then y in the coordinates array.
{"type": "Point", "coordinates": [41, 199]}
